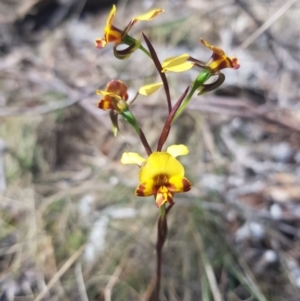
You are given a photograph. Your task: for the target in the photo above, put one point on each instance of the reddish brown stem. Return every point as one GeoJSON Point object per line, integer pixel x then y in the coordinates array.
{"type": "Point", "coordinates": [145, 143]}
{"type": "Point", "coordinates": [166, 130]}
{"type": "Point", "coordinates": [159, 68]}
{"type": "Point", "coordinates": [162, 231]}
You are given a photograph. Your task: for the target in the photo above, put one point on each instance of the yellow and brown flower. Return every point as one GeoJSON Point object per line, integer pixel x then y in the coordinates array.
{"type": "Point", "coordinates": [114, 93]}
{"type": "Point", "coordinates": [161, 174]}
{"type": "Point", "coordinates": [114, 35]}
{"type": "Point", "coordinates": [218, 61]}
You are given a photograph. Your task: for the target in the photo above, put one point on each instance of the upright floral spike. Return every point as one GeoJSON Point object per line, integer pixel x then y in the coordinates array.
{"type": "Point", "coordinates": [161, 174]}
{"type": "Point", "coordinates": [114, 35]}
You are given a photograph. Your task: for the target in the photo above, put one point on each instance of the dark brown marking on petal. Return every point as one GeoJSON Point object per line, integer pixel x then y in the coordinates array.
{"type": "Point", "coordinates": [140, 190]}
{"type": "Point", "coordinates": [216, 57]}
{"type": "Point", "coordinates": [223, 64]}
{"type": "Point", "coordinates": [171, 187]}
{"type": "Point", "coordinates": [186, 184]}
{"type": "Point", "coordinates": [113, 35]}
{"type": "Point", "coordinates": [105, 105]}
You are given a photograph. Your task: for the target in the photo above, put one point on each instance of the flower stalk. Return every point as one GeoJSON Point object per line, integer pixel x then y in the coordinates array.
{"type": "Point", "coordinates": [162, 231]}
{"type": "Point", "coordinates": [160, 173]}
{"type": "Point", "coordinates": [203, 76]}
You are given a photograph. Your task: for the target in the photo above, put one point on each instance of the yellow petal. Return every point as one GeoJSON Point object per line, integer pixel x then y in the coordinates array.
{"type": "Point", "coordinates": [179, 184]}
{"type": "Point", "coordinates": [149, 15]}
{"type": "Point", "coordinates": [177, 150]}
{"type": "Point", "coordinates": [104, 93]}
{"type": "Point", "coordinates": [132, 158]}
{"type": "Point", "coordinates": [177, 63]}
{"type": "Point", "coordinates": [113, 35]}
{"type": "Point", "coordinates": [179, 68]}
{"type": "Point", "coordinates": [111, 16]}
{"type": "Point", "coordinates": [99, 92]}
{"type": "Point", "coordinates": [149, 89]}
{"type": "Point", "coordinates": [215, 49]}
{"type": "Point", "coordinates": [146, 188]}
{"type": "Point", "coordinates": [175, 60]}
{"type": "Point", "coordinates": [160, 163]}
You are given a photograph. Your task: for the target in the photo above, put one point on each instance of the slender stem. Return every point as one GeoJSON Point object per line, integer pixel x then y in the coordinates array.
{"type": "Point", "coordinates": [161, 238]}
{"type": "Point", "coordinates": [145, 51]}
{"type": "Point", "coordinates": [162, 211]}
{"type": "Point", "coordinates": [203, 76]}
{"type": "Point", "coordinates": [134, 99]}
{"type": "Point", "coordinates": [162, 231]}
{"type": "Point", "coordinates": [145, 142]}
{"type": "Point", "coordinates": [166, 129]}
{"type": "Point", "coordinates": [159, 68]}
{"type": "Point", "coordinates": [129, 117]}
{"type": "Point", "coordinates": [158, 273]}
{"type": "Point", "coordinates": [184, 104]}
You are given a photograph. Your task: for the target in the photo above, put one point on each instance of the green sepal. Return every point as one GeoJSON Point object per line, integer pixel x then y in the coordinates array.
{"type": "Point", "coordinates": [128, 40]}
{"type": "Point", "coordinates": [126, 53]}
{"type": "Point", "coordinates": [209, 87]}
{"type": "Point", "coordinates": [114, 120]}
{"type": "Point", "coordinates": [129, 117]}
{"type": "Point", "coordinates": [203, 76]}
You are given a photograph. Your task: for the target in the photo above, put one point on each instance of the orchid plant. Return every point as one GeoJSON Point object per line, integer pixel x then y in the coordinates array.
{"type": "Point", "coordinates": [161, 174]}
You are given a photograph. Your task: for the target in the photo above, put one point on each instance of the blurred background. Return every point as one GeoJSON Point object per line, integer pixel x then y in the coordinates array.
{"type": "Point", "coordinates": [70, 225]}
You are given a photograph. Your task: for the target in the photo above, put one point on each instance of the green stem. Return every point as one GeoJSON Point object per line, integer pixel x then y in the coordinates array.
{"type": "Point", "coordinates": [129, 117]}
{"type": "Point", "coordinates": [163, 211]}
{"type": "Point", "coordinates": [145, 51]}
{"type": "Point", "coordinates": [184, 104]}
{"type": "Point", "coordinates": [203, 76]}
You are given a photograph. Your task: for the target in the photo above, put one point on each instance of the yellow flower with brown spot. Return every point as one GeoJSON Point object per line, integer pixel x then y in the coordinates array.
{"type": "Point", "coordinates": [114, 98]}
{"type": "Point", "coordinates": [219, 60]}
{"type": "Point", "coordinates": [112, 34]}
{"type": "Point", "coordinates": [161, 174]}
{"type": "Point", "coordinates": [115, 93]}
